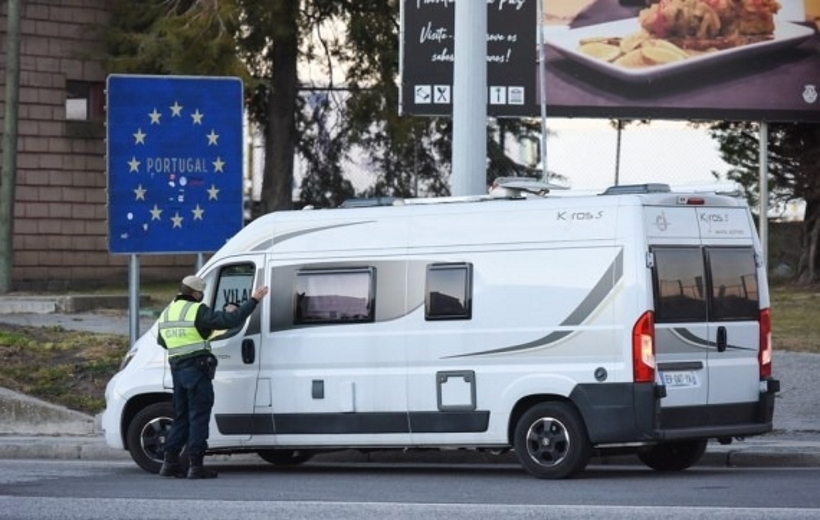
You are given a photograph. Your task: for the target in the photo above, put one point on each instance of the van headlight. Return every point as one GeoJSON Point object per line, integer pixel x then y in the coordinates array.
{"type": "Point", "coordinates": [127, 358]}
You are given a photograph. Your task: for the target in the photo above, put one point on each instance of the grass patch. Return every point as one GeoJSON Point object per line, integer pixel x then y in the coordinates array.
{"type": "Point", "coordinates": [796, 319]}
{"type": "Point", "coordinates": [64, 367]}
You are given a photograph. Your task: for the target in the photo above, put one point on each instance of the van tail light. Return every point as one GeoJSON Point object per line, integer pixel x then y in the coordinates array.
{"type": "Point", "coordinates": [764, 355]}
{"type": "Point", "coordinates": [643, 349]}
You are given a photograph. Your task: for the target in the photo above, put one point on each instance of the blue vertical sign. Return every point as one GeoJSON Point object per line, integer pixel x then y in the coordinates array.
{"type": "Point", "coordinates": [174, 163]}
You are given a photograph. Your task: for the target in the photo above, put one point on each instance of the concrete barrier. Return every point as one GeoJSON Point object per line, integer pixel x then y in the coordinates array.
{"type": "Point", "coordinates": [24, 415]}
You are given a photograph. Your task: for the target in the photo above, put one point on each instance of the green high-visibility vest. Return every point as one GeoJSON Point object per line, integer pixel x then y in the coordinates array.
{"type": "Point", "coordinates": [176, 326]}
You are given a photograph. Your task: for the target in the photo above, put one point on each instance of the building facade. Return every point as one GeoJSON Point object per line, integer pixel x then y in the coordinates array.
{"type": "Point", "coordinates": [60, 238]}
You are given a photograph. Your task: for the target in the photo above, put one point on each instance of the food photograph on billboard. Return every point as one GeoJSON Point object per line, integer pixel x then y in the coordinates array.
{"type": "Point", "coordinates": [683, 59]}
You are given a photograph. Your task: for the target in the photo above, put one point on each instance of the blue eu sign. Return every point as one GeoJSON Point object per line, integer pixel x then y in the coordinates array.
{"type": "Point", "coordinates": [174, 163]}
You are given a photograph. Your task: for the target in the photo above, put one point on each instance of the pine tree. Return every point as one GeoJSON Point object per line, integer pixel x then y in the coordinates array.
{"type": "Point", "coordinates": [793, 171]}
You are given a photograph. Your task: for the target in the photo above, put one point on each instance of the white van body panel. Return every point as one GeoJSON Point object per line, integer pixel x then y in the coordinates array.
{"type": "Point", "coordinates": [550, 292]}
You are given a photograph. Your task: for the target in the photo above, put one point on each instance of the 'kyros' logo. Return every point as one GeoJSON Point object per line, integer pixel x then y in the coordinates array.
{"type": "Point", "coordinates": [579, 215]}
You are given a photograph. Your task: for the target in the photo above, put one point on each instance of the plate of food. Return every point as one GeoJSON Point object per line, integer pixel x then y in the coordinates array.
{"type": "Point", "coordinates": [677, 36]}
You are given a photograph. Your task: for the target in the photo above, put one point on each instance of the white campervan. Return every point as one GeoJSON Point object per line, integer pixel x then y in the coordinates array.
{"type": "Point", "coordinates": [561, 327]}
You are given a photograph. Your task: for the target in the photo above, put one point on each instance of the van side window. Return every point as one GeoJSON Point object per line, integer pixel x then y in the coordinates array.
{"type": "Point", "coordinates": [679, 285]}
{"type": "Point", "coordinates": [235, 285]}
{"type": "Point", "coordinates": [448, 294]}
{"type": "Point", "coordinates": [335, 296]}
{"type": "Point", "coordinates": [734, 283]}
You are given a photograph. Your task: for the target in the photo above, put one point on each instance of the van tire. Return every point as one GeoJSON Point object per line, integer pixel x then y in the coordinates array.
{"type": "Point", "coordinates": [551, 441]}
{"type": "Point", "coordinates": [285, 457]}
{"type": "Point", "coordinates": [673, 456]}
{"type": "Point", "coordinates": [147, 434]}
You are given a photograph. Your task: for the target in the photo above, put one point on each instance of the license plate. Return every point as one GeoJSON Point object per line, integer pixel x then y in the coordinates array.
{"type": "Point", "coordinates": [680, 379]}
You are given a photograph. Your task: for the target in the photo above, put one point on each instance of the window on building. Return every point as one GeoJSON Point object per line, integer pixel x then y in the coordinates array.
{"type": "Point", "coordinates": [335, 296]}
{"type": "Point", "coordinates": [449, 290]}
{"type": "Point", "coordinates": [85, 101]}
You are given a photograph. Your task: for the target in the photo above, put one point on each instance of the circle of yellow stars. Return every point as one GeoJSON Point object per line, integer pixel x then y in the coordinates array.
{"type": "Point", "coordinates": [134, 164]}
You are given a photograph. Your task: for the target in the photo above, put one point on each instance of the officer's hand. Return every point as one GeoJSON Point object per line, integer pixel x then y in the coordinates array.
{"type": "Point", "coordinates": [260, 293]}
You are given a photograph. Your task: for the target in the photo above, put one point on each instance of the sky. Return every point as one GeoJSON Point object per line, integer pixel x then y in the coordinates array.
{"type": "Point", "coordinates": [586, 151]}
{"type": "Point", "coordinates": [670, 152]}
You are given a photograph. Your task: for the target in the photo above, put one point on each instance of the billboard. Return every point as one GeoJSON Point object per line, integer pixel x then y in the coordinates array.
{"type": "Point", "coordinates": [428, 52]}
{"type": "Point", "coordinates": [772, 75]}
{"type": "Point", "coordinates": [174, 163]}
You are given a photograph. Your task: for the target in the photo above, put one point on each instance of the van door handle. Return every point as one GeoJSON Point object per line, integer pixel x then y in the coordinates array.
{"type": "Point", "coordinates": [721, 339]}
{"type": "Point", "coordinates": [248, 351]}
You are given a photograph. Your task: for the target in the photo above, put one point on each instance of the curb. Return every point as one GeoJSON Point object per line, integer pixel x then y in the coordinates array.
{"type": "Point", "coordinates": [50, 448]}
{"type": "Point", "coordinates": [73, 304]}
{"type": "Point", "coordinates": [21, 414]}
{"type": "Point", "coordinates": [27, 305]}
{"type": "Point", "coordinates": [94, 448]}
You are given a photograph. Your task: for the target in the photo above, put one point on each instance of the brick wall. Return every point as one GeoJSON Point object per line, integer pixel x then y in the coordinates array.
{"type": "Point", "coordinates": [60, 218]}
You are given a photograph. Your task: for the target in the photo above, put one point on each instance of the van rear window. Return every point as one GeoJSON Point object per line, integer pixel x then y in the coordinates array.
{"type": "Point", "coordinates": [734, 284]}
{"type": "Point", "coordinates": [709, 284]}
{"type": "Point", "coordinates": [679, 285]}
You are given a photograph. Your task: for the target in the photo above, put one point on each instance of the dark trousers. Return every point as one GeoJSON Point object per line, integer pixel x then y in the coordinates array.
{"type": "Point", "coordinates": [193, 401]}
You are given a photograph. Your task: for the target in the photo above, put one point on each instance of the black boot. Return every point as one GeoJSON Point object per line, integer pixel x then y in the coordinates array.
{"type": "Point", "coordinates": [196, 470]}
{"type": "Point", "coordinates": [171, 466]}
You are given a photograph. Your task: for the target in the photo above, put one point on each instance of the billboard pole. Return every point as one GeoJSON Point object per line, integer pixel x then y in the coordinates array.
{"type": "Point", "coordinates": [763, 224]}
{"type": "Point", "coordinates": [469, 155]}
{"type": "Point", "coordinates": [542, 83]}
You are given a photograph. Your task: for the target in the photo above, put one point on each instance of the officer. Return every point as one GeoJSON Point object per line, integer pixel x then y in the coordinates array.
{"type": "Point", "coordinates": [184, 327]}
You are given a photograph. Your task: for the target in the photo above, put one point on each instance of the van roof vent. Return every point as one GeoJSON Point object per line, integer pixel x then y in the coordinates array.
{"type": "Point", "coordinates": [519, 187]}
{"type": "Point", "coordinates": [372, 202]}
{"type": "Point", "coordinates": [628, 189]}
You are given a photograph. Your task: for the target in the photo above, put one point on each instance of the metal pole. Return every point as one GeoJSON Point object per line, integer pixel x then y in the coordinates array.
{"type": "Point", "coordinates": [133, 298]}
{"type": "Point", "coordinates": [620, 127]}
{"type": "Point", "coordinates": [415, 164]}
{"type": "Point", "coordinates": [763, 225]}
{"type": "Point", "coordinates": [8, 165]}
{"type": "Point", "coordinates": [469, 156]}
{"type": "Point", "coordinates": [542, 82]}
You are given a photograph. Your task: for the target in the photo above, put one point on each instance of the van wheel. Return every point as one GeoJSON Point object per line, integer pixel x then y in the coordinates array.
{"type": "Point", "coordinates": [147, 434]}
{"type": "Point", "coordinates": [673, 456]}
{"type": "Point", "coordinates": [285, 457]}
{"type": "Point", "coordinates": [551, 441]}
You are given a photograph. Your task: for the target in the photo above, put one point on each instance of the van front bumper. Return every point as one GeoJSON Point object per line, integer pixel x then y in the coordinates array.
{"type": "Point", "coordinates": [112, 416]}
